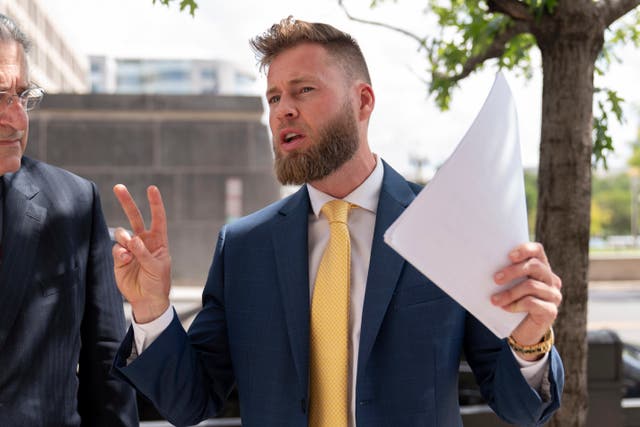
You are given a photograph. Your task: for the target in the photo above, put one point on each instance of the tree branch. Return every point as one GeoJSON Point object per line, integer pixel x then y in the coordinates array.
{"type": "Point", "coordinates": [421, 41]}
{"type": "Point", "coordinates": [495, 50]}
{"type": "Point", "coordinates": [612, 10]}
{"type": "Point", "coordinates": [515, 9]}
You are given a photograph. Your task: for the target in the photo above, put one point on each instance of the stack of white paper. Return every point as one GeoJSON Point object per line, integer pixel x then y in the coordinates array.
{"type": "Point", "coordinates": [461, 227]}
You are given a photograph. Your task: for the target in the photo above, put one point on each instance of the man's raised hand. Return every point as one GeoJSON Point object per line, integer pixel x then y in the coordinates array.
{"type": "Point", "coordinates": [142, 262]}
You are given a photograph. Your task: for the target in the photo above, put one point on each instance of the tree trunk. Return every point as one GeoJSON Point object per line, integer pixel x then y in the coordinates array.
{"type": "Point", "coordinates": [564, 188]}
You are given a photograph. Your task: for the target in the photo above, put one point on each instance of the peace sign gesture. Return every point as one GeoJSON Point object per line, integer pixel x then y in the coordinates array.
{"type": "Point", "coordinates": [142, 263]}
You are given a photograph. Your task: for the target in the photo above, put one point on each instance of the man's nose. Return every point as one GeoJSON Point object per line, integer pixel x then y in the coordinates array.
{"type": "Point", "coordinates": [12, 113]}
{"type": "Point", "coordinates": [286, 109]}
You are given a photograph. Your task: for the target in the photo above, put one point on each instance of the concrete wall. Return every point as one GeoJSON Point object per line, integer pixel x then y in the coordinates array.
{"type": "Point", "coordinates": [189, 146]}
{"type": "Point", "coordinates": [610, 267]}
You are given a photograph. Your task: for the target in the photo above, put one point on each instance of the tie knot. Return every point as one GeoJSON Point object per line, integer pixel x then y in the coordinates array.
{"type": "Point", "coordinates": [336, 210]}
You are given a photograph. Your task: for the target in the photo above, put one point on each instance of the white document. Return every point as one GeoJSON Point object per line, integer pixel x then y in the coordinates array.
{"type": "Point", "coordinates": [461, 227]}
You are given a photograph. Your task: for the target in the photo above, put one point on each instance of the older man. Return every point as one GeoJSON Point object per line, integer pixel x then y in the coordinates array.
{"type": "Point", "coordinates": [316, 320]}
{"type": "Point", "coordinates": [61, 314]}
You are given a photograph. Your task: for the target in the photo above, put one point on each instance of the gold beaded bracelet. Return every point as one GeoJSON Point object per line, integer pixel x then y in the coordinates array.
{"type": "Point", "coordinates": [544, 346]}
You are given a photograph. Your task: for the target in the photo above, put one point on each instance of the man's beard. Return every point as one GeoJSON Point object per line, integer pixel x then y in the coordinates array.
{"type": "Point", "coordinates": [337, 143]}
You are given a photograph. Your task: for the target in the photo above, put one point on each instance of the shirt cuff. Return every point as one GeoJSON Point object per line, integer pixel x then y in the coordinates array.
{"type": "Point", "coordinates": [144, 334]}
{"type": "Point", "coordinates": [534, 372]}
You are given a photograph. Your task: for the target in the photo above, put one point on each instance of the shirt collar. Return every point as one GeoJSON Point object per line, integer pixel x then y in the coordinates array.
{"type": "Point", "coordinates": [366, 195]}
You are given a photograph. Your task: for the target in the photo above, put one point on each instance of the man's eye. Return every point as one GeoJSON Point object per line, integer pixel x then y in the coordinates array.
{"type": "Point", "coordinates": [274, 99]}
{"type": "Point", "coordinates": [306, 89]}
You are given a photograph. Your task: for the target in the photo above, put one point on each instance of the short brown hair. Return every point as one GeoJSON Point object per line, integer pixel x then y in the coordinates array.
{"type": "Point", "coordinates": [289, 33]}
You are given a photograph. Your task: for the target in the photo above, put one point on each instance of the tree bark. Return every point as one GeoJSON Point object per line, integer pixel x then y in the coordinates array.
{"type": "Point", "coordinates": [569, 47]}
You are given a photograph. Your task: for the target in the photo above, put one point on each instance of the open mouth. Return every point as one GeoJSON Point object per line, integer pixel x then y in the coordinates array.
{"type": "Point", "coordinates": [291, 136]}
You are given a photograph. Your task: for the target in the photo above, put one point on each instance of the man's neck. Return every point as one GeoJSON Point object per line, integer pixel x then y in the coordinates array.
{"type": "Point", "coordinates": [349, 176]}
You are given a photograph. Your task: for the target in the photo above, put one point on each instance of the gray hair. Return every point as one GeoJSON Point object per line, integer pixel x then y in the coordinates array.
{"type": "Point", "coordinates": [9, 32]}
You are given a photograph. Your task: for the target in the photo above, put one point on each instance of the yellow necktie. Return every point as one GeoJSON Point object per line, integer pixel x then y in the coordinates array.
{"type": "Point", "coordinates": [328, 404]}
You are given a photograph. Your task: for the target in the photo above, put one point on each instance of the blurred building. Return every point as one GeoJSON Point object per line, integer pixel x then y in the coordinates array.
{"type": "Point", "coordinates": [210, 156]}
{"type": "Point", "coordinates": [169, 76]}
{"type": "Point", "coordinates": [152, 121]}
{"type": "Point", "coordinates": [53, 64]}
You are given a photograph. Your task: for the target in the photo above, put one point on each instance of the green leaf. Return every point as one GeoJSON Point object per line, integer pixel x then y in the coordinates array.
{"type": "Point", "coordinates": [191, 4]}
{"type": "Point", "coordinates": [607, 102]}
{"type": "Point", "coordinates": [541, 7]}
{"type": "Point", "coordinates": [376, 3]}
{"type": "Point", "coordinates": [468, 30]}
{"type": "Point", "coordinates": [624, 31]}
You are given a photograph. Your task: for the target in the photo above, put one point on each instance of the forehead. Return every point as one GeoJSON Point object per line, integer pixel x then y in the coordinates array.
{"type": "Point", "coordinates": [306, 60]}
{"type": "Point", "coordinates": [13, 67]}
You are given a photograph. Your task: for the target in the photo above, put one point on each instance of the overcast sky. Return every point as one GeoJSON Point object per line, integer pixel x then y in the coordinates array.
{"type": "Point", "coordinates": [405, 121]}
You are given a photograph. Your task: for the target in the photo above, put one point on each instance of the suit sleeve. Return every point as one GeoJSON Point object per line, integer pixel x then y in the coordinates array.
{"type": "Point", "coordinates": [501, 382]}
{"type": "Point", "coordinates": [187, 377]}
{"type": "Point", "coordinates": [102, 399]}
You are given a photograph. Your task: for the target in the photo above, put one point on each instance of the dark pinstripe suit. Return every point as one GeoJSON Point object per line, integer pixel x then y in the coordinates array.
{"type": "Point", "coordinates": [60, 312]}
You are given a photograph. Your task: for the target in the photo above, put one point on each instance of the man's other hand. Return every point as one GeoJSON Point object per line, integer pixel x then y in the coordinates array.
{"type": "Point", "coordinates": [538, 293]}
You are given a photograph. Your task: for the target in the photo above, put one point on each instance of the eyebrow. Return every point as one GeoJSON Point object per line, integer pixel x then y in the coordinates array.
{"type": "Point", "coordinates": [19, 88]}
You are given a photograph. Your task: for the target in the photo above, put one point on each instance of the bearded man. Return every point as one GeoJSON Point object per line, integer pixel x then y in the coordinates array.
{"type": "Point", "coordinates": [314, 318]}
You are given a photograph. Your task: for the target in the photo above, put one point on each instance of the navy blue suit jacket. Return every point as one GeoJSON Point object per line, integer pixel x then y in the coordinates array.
{"type": "Point", "coordinates": [61, 316]}
{"type": "Point", "coordinates": [254, 330]}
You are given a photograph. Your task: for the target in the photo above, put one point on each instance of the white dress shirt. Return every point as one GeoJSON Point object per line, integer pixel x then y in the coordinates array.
{"type": "Point", "coordinates": [361, 224]}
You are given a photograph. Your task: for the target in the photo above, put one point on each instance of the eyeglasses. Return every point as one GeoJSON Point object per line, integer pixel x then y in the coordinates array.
{"type": "Point", "coordinates": [29, 98]}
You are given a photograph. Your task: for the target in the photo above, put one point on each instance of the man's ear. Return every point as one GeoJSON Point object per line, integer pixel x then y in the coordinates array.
{"type": "Point", "coordinates": [367, 101]}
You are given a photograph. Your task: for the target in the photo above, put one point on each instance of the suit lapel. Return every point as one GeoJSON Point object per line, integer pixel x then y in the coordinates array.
{"type": "Point", "coordinates": [385, 265]}
{"type": "Point", "coordinates": [23, 220]}
{"type": "Point", "coordinates": [290, 240]}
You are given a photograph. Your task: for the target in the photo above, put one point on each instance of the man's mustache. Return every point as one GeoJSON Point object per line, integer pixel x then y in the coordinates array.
{"type": "Point", "coordinates": [11, 135]}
